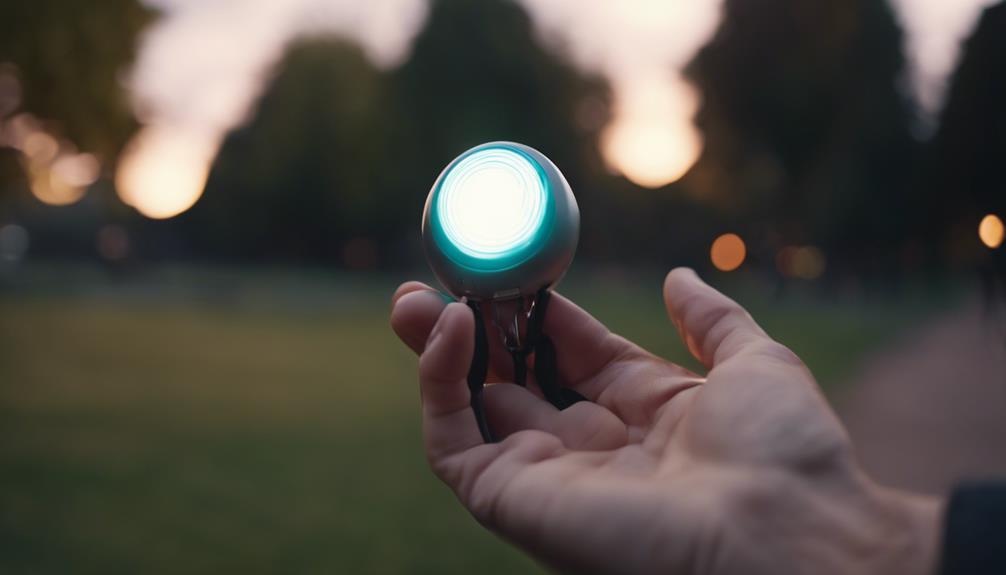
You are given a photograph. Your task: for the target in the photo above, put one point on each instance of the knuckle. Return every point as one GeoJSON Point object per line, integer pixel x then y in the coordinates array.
{"type": "Point", "coordinates": [779, 352]}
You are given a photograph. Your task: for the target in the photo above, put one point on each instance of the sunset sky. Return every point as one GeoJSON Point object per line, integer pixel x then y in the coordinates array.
{"type": "Point", "coordinates": [204, 63]}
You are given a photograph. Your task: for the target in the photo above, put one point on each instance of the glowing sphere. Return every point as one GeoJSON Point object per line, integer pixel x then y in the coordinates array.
{"type": "Point", "coordinates": [500, 221]}
{"type": "Point", "coordinates": [492, 203]}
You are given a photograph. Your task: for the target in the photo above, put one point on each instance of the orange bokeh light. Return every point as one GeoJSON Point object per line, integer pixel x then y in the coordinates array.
{"type": "Point", "coordinates": [803, 262]}
{"type": "Point", "coordinates": [991, 231]}
{"type": "Point", "coordinates": [728, 252]}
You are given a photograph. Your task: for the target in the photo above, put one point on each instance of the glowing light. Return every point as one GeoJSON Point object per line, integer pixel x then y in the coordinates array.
{"type": "Point", "coordinates": [163, 170]}
{"type": "Point", "coordinates": [40, 147]}
{"type": "Point", "coordinates": [652, 140]}
{"type": "Point", "coordinates": [728, 252]}
{"type": "Point", "coordinates": [641, 46]}
{"type": "Point", "coordinates": [803, 262]}
{"type": "Point", "coordinates": [991, 231]}
{"type": "Point", "coordinates": [492, 203]}
{"type": "Point", "coordinates": [49, 188]}
{"type": "Point", "coordinates": [79, 170]}
{"type": "Point", "coordinates": [57, 174]}
{"type": "Point", "coordinates": [17, 129]}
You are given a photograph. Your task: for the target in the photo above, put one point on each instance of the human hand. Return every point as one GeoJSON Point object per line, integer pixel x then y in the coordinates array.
{"type": "Point", "coordinates": [745, 470]}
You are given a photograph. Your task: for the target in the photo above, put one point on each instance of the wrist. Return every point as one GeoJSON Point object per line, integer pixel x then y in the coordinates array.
{"type": "Point", "coordinates": [912, 524]}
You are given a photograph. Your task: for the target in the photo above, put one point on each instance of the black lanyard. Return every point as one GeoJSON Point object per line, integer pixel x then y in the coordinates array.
{"type": "Point", "coordinates": [536, 342]}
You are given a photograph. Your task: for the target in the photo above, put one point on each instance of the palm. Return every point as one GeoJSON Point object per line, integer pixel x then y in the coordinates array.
{"type": "Point", "coordinates": [656, 442]}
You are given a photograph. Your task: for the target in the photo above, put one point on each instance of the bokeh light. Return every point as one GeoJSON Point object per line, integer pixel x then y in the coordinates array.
{"type": "Point", "coordinates": [78, 170]}
{"type": "Point", "coordinates": [801, 262]}
{"type": "Point", "coordinates": [652, 141]}
{"type": "Point", "coordinates": [57, 174]}
{"type": "Point", "coordinates": [40, 147]}
{"type": "Point", "coordinates": [163, 170]}
{"type": "Point", "coordinates": [991, 231]}
{"type": "Point", "coordinates": [728, 252]}
{"type": "Point", "coordinates": [50, 188]}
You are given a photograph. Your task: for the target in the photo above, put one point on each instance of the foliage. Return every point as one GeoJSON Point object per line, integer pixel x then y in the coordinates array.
{"type": "Point", "coordinates": [807, 126]}
{"type": "Point", "coordinates": [478, 73]}
{"type": "Point", "coordinates": [966, 159]}
{"type": "Point", "coordinates": [340, 155]}
{"type": "Point", "coordinates": [71, 57]}
{"type": "Point", "coordinates": [807, 135]}
{"type": "Point", "coordinates": [299, 179]}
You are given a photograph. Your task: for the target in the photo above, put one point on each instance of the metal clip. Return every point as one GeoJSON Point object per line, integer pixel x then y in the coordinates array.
{"type": "Point", "coordinates": [509, 328]}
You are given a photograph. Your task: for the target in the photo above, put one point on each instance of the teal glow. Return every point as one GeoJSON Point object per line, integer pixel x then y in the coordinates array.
{"type": "Point", "coordinates": [492, 208]}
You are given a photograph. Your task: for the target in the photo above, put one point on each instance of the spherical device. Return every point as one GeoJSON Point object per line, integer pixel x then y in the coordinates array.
{"type": "Point", "coordinates": [500, 222]}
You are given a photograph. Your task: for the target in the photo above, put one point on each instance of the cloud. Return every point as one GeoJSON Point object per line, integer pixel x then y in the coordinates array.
{"type": "Point", "coordinates": [205, 62]}
{"type": "Point", "coordinates": [934, 30]}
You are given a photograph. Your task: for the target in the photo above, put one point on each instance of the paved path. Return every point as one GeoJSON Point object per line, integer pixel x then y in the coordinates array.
{"type": "Point", "coordinates": [932, 409]}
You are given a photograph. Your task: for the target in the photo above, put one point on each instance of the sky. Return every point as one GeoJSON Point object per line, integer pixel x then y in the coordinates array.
{"type": "Point", "coordinates": [203, 65]}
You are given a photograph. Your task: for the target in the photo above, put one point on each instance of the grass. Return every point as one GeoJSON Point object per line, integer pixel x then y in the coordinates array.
{"type": "Point", "coordinates": [266, 424]}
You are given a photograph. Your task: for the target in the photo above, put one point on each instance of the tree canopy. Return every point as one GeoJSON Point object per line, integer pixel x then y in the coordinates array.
{"type": "Point", "coordinates": [70, 58]}
{"type": "Point", "coordinates": [338, 152]}
{"type": "Point", "coordinates": [807, 132]}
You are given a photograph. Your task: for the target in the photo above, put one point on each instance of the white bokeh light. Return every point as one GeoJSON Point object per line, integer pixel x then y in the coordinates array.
{"type": "Point", "coordinates": [163, 170]}
{"type": "Point", "coordinates": [640, 46]}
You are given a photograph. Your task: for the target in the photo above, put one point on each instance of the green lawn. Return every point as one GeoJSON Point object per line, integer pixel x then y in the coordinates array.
{"type": "Point", "coordinates": [266, 426]}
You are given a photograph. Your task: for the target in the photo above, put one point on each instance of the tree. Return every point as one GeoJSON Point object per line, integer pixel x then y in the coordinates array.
{"type": "Point", "coordinates": [478, 73]}
{"type": "Point", "coordinates": [70, 56]}
{"type": "Point", "coordinates": [966, 167]}
{"type": "Point", "coordinates": [339, 156]}
{"type": "Point", "coordinates": [298, 180]}
{"type": "Point", "coordinates": [68, 59]}
{"type": "Point", "coordinates": [807, 132]}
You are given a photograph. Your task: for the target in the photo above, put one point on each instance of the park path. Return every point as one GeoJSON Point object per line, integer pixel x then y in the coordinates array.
{"type": "Point", "coordinates": [931, 410]}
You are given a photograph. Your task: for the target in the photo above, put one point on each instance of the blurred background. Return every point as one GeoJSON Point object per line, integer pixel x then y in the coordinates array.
{"type": "Point", "coordinates": [205, 206]}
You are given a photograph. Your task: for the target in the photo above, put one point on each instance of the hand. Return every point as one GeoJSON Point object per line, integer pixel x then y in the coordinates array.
{"type": "Point", "coordinates": [745, 470]}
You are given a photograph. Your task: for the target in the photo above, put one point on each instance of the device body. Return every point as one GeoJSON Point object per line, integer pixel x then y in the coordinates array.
{"type": "Point", "coordinates": [500, 223]}
{"type": "Point", "coordinates": [500, 228]}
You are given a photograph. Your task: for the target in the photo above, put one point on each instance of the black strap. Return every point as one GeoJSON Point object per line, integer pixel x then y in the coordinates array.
{"type": "Point", "coordinates": [546, 373]}
{"type": "Point", "coordinates": [974, 528]}
{"type": "Point", "coordinates": [477, 374]}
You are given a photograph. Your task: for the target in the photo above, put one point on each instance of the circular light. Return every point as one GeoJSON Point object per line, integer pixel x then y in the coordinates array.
{"type": "Point", "coordinates": [728, 252]}
{"type": "Point", "coordinates": [991, 231]}
{"type": "Point", "coordinates": [500, 221]}
{"type": "Point", "coordinates": [492, 203]}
